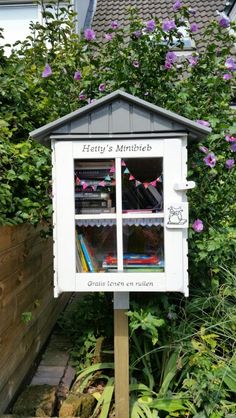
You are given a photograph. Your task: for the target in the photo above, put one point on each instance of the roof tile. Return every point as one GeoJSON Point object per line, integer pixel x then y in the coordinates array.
{"type": "Point", "coordinates": [108, 10]}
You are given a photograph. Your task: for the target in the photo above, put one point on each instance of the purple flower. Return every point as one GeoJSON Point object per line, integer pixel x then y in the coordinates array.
{"type": "Point", "coordinates": [229, 164]}
{"type": "Point", "coordinates": [227, 76]}
{"type": "Point", "coordinates": [171, 56]}
{"type": "Point", "coordinates": [108, 36]}
{"type": "Point", "coordinates": [137, 33]}
{"type": "Point", "coordinates": [91, 100]}
{"type": "Point", "coordinates": [194, 28]}
{"type": "Point", "coordinates": [82, 96]}
{"type": "Point", "coordinates": [230, 64]}
{"type": "Point", "coordinates": [193, 60]}
{"type": "Point", "coordinates": [102, 87]}
{"type": "Point", "coordinates": [77, 75]}
{"type": "Point", "coordinates": [204, 149]}
{"type": "Point", "coordinates": [230, 138]}
{"type": "Point", "coordinates": [136, 63]}
{"type": "Point", "coordinates": [203, 122]}
{"type": "Point", "coordinates": [168, 65]}
{"type": "Point", "coordinates": [224, 21]}
{"type": "Point", "coordinates": [198, 225]}
{"type": "Point", "coordinates": [47, 71]}
{"type": "Point", "coordinates": [150, 25]}
{"type": "Point", "coordinates": [168, 25]}
{"type": "Point", "coordinates": [114, 25]}
{"type": "Point", "coordinates": [233, 147]}
{"type": "Point", "coordinates": [89, 34]}
{"type": "Point", "coordinates": [210, 160]}
{"type": "Point", "coordinates": [177, 5]}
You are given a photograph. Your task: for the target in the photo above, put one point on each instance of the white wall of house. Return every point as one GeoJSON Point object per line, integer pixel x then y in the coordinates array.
{"type": "Point", "coordinates": [16, 15]}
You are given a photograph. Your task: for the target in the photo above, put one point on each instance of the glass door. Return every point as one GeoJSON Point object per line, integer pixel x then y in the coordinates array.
{"type": "Point", "coordinates": [118, 215]}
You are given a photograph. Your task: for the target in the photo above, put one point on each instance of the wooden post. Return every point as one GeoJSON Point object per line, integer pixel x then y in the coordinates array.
{"type": "Point", "coordinates": [121, 345]}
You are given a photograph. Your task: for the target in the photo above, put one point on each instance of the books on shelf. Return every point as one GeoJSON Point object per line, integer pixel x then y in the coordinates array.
{"type": "Point", "coordinates": [133, 259]}
{"type": "Point", "coordinates": [101, 200]}
{"type": "Point", "coordinates": [85, 260]}
{"type": "Point", "coordinates": [91, 210]}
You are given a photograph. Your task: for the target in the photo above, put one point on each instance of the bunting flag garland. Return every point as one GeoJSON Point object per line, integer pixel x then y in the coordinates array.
{"type": "Point", "coordinates": [109, 180]}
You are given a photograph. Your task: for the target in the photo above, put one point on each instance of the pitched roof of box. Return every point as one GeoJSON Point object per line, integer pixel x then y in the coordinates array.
{"type": "Point", "coordinates": [109, 10]}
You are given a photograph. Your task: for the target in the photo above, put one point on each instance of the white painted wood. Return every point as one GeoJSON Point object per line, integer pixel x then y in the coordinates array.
{"type": "Point", "coordinates": [140, 215]}
{"type": "Point", "coordinates": [64, 190]}
{"type": "Point", "coordinates": [97, 216]}
{"type": "Point", "coordinates": [118, 149]}
{"type": "Point", "coordinates": [175, 276]}
{"type": "Point", "coordinates": [173, 237]}
{"type": "Point", "coordinates": [54, 222]}
{"type": "Point", "coordinates": [185, 232]}
{"type": "Point", "coordinates": [121, 282]}
{"type": "Point", "coordinates": [119, 226]}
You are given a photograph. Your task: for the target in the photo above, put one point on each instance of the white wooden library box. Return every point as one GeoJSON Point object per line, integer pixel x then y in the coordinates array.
{"type": "Point", "coordinates": [119, 196]}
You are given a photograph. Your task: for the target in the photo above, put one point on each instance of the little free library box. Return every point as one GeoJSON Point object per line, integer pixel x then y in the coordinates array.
{"type": "Point", "coordinates": [119, 196]}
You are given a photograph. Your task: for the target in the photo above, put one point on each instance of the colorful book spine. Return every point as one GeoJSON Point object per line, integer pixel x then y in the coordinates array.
{"type": "Point", "coordinates": [81, 256]}
{"type": "Point", "coordinates": [86, 254]}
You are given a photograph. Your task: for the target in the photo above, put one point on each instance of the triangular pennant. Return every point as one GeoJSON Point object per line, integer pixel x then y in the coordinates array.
{"type": "Point", "coordinates": [102, 183]}
{"type": "Point", "coordinates": [77, 181]}
{"type": "Point", "coordinates": [153, 183]}
{"type": "Point", "coordinates": [126, 171]}
{"type": "Point", "coordinates": [123, 163]}
{"type": "Point", "coordinates": [94, 187]}
{"type": "Point", "coordinates": [131, 177]}
{"type": "Point", "coordinates": [137, 183]}
{"type": "Point", "coordinates": [146, 185]}
{"type": "Point", "coordinates": [85, 185]}
{"type": "Point", "coordinates": [108, 178]}
{"type": "Point", "coordinates": [112, 170]}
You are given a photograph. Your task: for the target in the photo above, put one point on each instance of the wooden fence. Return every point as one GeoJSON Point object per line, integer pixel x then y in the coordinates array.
{"type": "Point", "coordinates": [26, 285]}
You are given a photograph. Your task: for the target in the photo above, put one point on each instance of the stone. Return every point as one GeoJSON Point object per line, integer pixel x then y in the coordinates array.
{"type": "Point", "coordinates": [81, 406]}
{"type": "Point", "coordinates": [86, 406]}
{"type": "Point", "coordinates": [69, 406]}
{"type": "Point", "coordinates": [36, 401]}
{"type": "Point", "coordinates": [48, 375]}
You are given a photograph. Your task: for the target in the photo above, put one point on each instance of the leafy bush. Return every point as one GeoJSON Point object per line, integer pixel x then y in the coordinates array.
{"type": "Point", "coordinates": [182, 356]}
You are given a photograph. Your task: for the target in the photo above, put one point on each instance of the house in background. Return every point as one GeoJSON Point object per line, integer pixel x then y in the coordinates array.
{"type": "Point", "coordinates": [204, 11]}
{"type": "Point", "coordinates": [15, 15]}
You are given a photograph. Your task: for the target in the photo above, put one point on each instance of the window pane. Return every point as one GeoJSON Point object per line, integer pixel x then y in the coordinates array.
{"type": "Point", "coordinates": [95, 245]}
{"type": "Point", "coordinates": [94, 186]}
{"type": "Point", "coordinates": [142, 185]}
{"type": "Point", "coordinates": [15, 21]}
{"type": "Point", "coordinates": [143, 246]}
